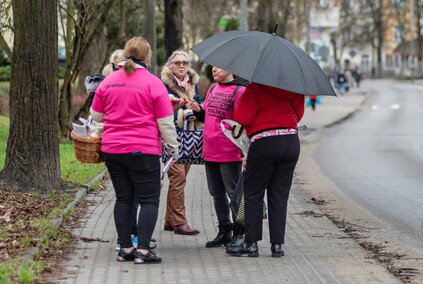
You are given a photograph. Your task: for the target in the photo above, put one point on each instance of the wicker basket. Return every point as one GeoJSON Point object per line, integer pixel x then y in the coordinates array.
{"type": "Point", "coordinates": [87, 149]}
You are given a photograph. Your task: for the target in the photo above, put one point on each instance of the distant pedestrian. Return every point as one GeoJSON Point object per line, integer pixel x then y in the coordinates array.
{"type": "Point", "coordinates": [137, 114]}
{"type": "Point", "coordinates": [342, 82]}
{"type": "Point", "coordinates": [358, 75]}
{"type": "Point", "coordinates": [222, 158]}
{"type": "Point", "coordinates": [313, 101]}
{"type": "Point", "coordinates": [270, 117]}
{"type": "Point", "coordinates": [349, 79]}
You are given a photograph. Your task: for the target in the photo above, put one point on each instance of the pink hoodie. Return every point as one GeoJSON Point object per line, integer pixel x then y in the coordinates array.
{"type": "Point", "coordinates": [217, 106]}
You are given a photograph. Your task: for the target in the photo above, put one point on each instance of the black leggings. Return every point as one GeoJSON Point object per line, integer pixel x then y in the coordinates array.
{"type": "Point", "coordinates": [135, 176]}
{"type": "Point", "coordinates": [271, 163]}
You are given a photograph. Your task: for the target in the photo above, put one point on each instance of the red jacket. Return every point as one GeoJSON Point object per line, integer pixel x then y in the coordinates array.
{"type": "Point", "coordinates": [262, 107]}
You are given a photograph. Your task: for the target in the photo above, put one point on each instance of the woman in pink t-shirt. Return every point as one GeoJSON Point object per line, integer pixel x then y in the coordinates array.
{"type": "Point", "coordinates": [222, 158]}
{"type": "Point", "coordinates": [137, 114]}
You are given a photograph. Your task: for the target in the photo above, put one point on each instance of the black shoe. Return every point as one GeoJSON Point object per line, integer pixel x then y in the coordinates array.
{"type": "Point", "coordinates": [223, 236]}
{"type": "Point", "coordinates": [277, 250]}
{"type": "Point", "coordinates": [153, 244]}
{"type": "Point", "coordinates": [148, 258]}
{"type": "Point", "coordinates": [251, 249]}
{"type": "Point", "coordinates": [124, 256]}
{"type": "Point", "coordinates": [236, 240]}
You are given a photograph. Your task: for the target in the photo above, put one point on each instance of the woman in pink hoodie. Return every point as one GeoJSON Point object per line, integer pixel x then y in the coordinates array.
{"type": "Point", "coordinates": [223, 160]}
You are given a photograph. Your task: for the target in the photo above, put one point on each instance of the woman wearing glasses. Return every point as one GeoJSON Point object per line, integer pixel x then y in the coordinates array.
{"type": "Point", "coordinates": [181, 83]}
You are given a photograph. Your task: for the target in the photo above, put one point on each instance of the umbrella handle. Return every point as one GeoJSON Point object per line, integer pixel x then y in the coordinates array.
{"type": "Point", "coordinates": [234, 135]}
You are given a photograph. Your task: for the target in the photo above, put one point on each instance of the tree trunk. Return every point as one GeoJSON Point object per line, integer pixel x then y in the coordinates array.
{"type": "Point", "coordinates": [32, 155]}
{"type": "Point", "coordinates": [150, 30]}
{"type": "Point", "coordinates": [173, 26]}
{"type": "Point", "coordinates": [265, 16]}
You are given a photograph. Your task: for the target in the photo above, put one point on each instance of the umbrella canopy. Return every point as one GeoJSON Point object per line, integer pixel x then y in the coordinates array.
{"type": "Point", "coordinates": [266, 59]}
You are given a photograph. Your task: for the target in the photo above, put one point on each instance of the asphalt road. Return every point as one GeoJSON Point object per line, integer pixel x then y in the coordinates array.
{"type": "Point", "coordinates": [375, 158]}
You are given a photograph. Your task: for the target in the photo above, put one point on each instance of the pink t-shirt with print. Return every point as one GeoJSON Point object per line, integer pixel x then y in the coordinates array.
{"type": "Point", "coordinates": [220, 105]}
{"type": "Point", "coordinates": [131, 104]}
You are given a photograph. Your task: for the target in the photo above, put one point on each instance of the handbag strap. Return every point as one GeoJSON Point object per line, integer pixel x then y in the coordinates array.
{"type": "Point", "coordinates": [233, 95]}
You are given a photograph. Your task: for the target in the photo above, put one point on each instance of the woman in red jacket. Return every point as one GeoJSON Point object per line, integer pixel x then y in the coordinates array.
{"type": "Point", "coordinates": [270, 116]}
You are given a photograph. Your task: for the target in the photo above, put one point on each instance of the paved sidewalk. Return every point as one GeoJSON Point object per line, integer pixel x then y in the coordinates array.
{"type": "Point", "coordinates": [316, 251]}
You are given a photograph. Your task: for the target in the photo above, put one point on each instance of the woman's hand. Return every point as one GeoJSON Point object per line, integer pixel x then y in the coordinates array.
{"type": "Point", "coordinates": [195, 106]}
{"type": "Point", "coordinates": [244, 163]}
{"type": "Point", "coordinates": [179, 104]}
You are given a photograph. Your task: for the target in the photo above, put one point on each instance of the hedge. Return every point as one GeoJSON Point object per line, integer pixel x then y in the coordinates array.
{"type": "Point", "coordinates": [5, 73]}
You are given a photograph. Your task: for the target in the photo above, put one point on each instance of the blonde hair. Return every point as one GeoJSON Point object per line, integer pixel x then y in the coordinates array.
{"type": "Point", "coordinates": [115, 58]}
{"type": "Point", "coordinates": [174, 54]}
{"type": "Point", "coordinates": [137, 48]}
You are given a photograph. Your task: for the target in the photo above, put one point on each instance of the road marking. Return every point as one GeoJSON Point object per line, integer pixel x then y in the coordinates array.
{"type": "Point", "coordinates": [393, 106]}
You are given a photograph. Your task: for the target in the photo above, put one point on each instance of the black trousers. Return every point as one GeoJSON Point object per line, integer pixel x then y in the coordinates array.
{"type": "Point", "coordinates": [271, 163]}
{"type": "Point", "coordinates": [221, 181]}
{"type": "Point", "coordinates": [135, 176]}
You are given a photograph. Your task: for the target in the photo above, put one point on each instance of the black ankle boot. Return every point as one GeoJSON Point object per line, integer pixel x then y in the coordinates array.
{"type": "Point", "coordinates": [277, 250]}
{"type": "Point", "coordinates": [223, 236]}
{"type": "Point", "coordinates": [250, 249]}
{"type": "Point", "coordinates": [238, 236]}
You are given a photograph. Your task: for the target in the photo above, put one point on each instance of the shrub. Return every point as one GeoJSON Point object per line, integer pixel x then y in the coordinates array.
{"type": "Point", "coordinates": [61, 72]}
{"type": "Point", "coordinates": [5, 73]}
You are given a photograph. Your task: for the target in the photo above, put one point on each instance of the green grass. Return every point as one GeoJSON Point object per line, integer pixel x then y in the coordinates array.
{"type": "Point", "coordinates": [29, 272]}
{"type": "Point", "coordinates": [4, 133]}
{"type": "Point", "coordinates": [6, 271]}
{"type": "Point", "coordinates": [3, 235]}
{"type": "Point", "coordinates": [26, 274]}
{"type": "Point", "coordinates": [4, 88]}
{"type": "Point", "coordinates": [72, 170]}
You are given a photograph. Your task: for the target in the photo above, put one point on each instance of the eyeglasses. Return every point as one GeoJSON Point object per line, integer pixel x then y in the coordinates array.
{"type": "Point", "coordinates": [179, 63]}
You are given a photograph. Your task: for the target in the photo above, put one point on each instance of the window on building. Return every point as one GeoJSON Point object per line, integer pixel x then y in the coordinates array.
{"type": "Point", "coordinates": [389, 60]}
{"type": "Point", "coordinates": [324, 3]}
{"type": "Point", "coordinates": [365, 64]}
{"type": "Point", "coordinates": [397, 34]}
{"type": "Point", "coordinates": [397, 60]}
{"type": "Point", "coordinates": [398, 4]}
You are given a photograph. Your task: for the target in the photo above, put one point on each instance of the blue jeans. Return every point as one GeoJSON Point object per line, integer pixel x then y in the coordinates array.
{"type": "Point", "coordinates": [221, 181]}
{"type": "Point", "coordinates": [342, 88]}
{"type": "Point", "coordinates": [135, 176]}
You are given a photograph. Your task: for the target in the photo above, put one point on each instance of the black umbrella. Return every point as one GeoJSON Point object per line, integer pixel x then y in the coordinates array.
{"type": "Point", "coordinates": [266, 59]}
